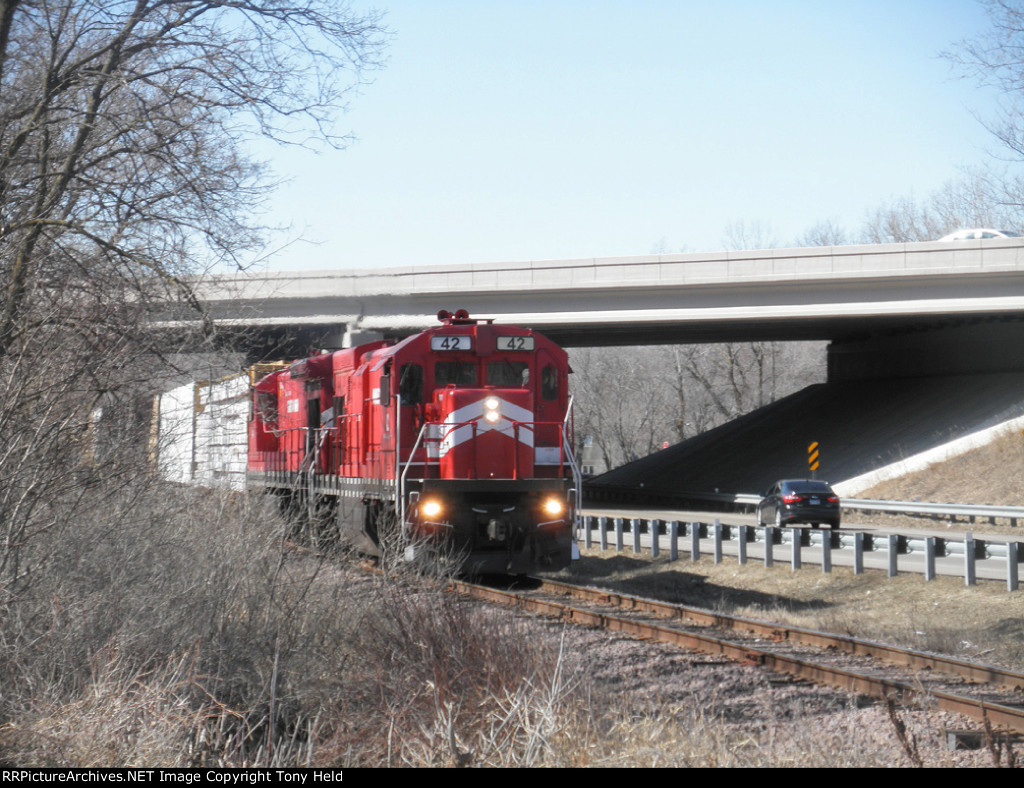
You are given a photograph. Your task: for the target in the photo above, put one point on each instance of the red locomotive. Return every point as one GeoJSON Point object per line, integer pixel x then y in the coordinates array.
{"type": "Point", "coordinates": [458, 436]}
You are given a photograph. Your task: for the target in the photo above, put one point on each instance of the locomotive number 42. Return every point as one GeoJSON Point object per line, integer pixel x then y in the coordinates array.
{"type": "Point", "coordinates": [515, 343]}
{"type": "Point", "coordinates": [457, 342]}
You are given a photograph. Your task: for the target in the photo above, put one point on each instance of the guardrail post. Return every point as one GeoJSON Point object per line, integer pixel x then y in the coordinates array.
{"type": "Point", "coordinates": [741, 544]}
{"type": "Point", "coordinates": [654, 526]}
{"type": "Point", "coordinates": [892, 545]}
{"type": "Point", "coordinates": [618, 534]}
{"type": "Point", "coordinates": [826, 551]}
{"type": "Point", "coordinates": [858, 553]}
{"type": "Point", "coordinates": [634, 526]}
{"type": "Point", "coordinates": [1011, 566]}
{"type": "Point", "coordinates": [718, 541]}
{"type": "Point", "coordinates": [794, 560]}
{"type": "Point", "coordinates": [769, 543]}
{"type": "Point", "coordinates": [673, 540]}
{"type": "Point", "coordinates": [694, 541]}
{"type": "Point", "coordinates": [602, 527]}
{"type": "Point", "coordinates": [970, 573]}
{"type": "Point", "coordinates": [929, 558]}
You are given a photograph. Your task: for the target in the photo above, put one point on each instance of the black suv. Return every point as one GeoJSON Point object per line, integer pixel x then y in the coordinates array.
{"type": "Point", "coordinates": [799, 501]}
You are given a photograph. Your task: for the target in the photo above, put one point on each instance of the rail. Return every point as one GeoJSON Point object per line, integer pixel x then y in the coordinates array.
{"type": "Point", "coordinates": [936, 510]}
{"type": "Point", "coordinates": [986, 693]}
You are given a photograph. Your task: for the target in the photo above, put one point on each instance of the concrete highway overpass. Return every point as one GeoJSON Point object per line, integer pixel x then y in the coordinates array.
{"type": "Point", "coordinates": [888, 310]}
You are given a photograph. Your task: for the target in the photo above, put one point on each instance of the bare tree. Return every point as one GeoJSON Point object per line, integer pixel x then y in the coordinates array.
{"type": "Point", "coordinates": [719, 382]}
{"type": "Point", "coordinates": [825, 233]}
{"type": "Point", "coordinates": [993, 59]}
{"type": "Point", "coordinates": [123, 171]}
{"type": "Point", "coordinates": [741, 234]}
{"type": "Point", "coordinates": [974, 200]}
{"type": "Point", "coordinates": [123, 128]}
{"type": "Point", "coordinates": [632, 400]}
{"type": "Point", "coordinates": [621, 401]}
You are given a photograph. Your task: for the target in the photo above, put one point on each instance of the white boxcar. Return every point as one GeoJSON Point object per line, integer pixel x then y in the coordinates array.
{"type": "Point", "coordinates": [200, 433]}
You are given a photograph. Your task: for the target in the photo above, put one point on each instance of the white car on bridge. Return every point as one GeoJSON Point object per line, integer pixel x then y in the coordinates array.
{"type": "Point", "coordinates": [979, 234]}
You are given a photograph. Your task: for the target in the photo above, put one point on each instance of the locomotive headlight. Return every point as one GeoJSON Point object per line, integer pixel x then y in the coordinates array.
{"type": "Point", "coordinates": [431, 508]}
{"type": "Point", "coordinates": [492, 414]}
{"type": "Point", "coordinates": [553, 507]}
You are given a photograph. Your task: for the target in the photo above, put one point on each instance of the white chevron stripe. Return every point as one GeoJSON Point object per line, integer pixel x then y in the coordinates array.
{"type": "Point", "coordinates": [458, 426]}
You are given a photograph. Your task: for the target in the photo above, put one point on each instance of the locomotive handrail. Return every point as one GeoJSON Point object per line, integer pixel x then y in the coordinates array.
{"type": "Point", "coordinates": [577, 474]}
{"type": "Point", "coordinates": [405, 470]}
{"type": "Point", "coordinates": [312, 455]}
{"type": "Point", "coordinates": [399, 497]}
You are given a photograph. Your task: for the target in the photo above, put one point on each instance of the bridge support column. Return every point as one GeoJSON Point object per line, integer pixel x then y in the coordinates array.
{"type": "Point", "coordinates": [350, 336]}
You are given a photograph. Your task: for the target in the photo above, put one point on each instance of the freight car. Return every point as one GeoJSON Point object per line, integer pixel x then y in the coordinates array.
{"type": "Point", "coordinates": [199, 432]}
{"type": "Point", "coordinates": [455, 441]}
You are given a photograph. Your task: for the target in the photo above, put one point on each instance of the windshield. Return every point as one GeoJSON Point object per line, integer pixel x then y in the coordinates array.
{"type": "Point", "coordinates": [508, 373]}
{"type": "Point", "coordinates": [455, 373]}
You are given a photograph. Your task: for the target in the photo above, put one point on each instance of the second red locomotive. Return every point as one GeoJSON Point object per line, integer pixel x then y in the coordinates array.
{"type": "Point", "coordinates": [456, 439]}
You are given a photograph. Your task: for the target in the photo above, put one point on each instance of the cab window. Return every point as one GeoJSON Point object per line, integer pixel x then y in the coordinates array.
{"type": "Point", "coordinates": [266, 405]}
{"type": "Point", "coordinates": [410, 384]}
{"type": "Point", "coordinates": [549, 383]}
{"type": "Point", "coordinates": [508, 373]}
{"type": "Point", "coordinates": [455, 373]}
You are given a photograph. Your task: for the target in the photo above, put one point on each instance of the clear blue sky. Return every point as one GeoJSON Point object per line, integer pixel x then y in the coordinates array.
{"type": "Point", "coordinates": [507, 130]}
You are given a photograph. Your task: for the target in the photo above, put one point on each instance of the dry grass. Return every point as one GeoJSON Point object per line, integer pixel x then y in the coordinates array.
{"type": "Point", "coordinates": [193, 634]}
{"type": "Point", "coordinates": [384, 670]}
{"type": "Point", "coordinates": [186, 632]}
{"type": "Point", "coordinates": [990, 475]}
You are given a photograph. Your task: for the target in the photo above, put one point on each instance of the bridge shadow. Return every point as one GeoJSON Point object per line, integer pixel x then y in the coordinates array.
{"type": "Point", "coordinates": [638, 577]}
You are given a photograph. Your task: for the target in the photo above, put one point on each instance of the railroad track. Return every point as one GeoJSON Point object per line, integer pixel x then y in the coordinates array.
{"type": "Point", "coordinates": [988, 694]}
